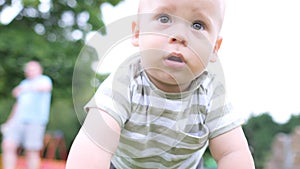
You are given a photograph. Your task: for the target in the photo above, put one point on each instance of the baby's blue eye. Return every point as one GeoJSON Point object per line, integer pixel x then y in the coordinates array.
{"type": "Point", "coordinates": [198, 26]}
{"type": "Point", "coordinates": [164, 19]}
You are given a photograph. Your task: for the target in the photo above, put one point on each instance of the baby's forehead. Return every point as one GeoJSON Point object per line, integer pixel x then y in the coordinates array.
{"type": "Point", "coordinates": [214, 9]}
{"type": "Point", "coordinates": [146, 3]}
{"type": "Point", "coordinates": [214, 6]}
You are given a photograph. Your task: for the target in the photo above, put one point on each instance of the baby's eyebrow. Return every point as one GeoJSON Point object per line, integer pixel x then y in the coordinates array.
{"type": "Point", "coordinates": [203, 17]}
{"type": "Point", "coordinates": [168, 9]}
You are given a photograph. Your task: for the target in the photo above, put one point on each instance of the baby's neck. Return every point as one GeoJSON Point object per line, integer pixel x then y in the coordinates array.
{"type": "Point", "coordinates": [165, 87]}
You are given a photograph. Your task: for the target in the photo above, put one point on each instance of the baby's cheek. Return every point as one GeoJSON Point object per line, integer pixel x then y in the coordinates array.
{"type": "Point", "coordinates": [150, 42]}
{"type": "Point", "coordinates": [198, 63]}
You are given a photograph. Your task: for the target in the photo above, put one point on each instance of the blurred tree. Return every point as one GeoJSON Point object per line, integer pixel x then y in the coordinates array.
{"type": "Point", "coordinates": [260, 131]}
{"type": "Point", "coordinates": [18, 46]}
{"type": "Point", "coordinates": [52, 32]}
{"type": "Point", "coordinates": [56, 20]}
{"type": "Point", "coordinates": [293, 122]}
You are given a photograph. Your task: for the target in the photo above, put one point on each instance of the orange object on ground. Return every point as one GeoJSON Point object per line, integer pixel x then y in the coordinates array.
{"type": "Point", "coordinates": [45, 164]}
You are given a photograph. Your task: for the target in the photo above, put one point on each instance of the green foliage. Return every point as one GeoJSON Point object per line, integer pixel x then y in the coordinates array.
{"type": "Point", "coordinates": [260, 132]}
{"type": "Point", "coordinates": [46, 37]}
{"type": "Point", "coordinates": [33, 3]}
{"type": "Point", "coordinates": [57, 58]}
{"type": "Point", "coordinates": [5, 108]}
{"type": "Point", "coordinates": [57, 20]}
{"type": "Point", "coordinates": [83, 82]}
{"type": "Point", "coordinates": [63, 118]}
{"type": "Point", "coordinates": [291, 124]}
{"type": "Point", "coordinates": [209, 162]}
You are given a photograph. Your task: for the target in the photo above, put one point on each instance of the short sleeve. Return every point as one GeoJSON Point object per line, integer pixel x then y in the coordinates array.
{"type": "Point", "coordinates": [113, 97]}
{"type": "Point", "coordinates": [221, 116]}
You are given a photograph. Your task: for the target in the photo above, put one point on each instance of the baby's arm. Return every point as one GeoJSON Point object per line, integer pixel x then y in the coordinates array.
{"type": "Point", "coordinates": [95, 143]}
{"type": "Point", "coordinates": [231, 150]}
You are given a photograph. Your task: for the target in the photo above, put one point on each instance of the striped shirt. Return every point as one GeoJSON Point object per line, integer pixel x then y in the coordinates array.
{"type": "Point", "coordinates": [159, 129]}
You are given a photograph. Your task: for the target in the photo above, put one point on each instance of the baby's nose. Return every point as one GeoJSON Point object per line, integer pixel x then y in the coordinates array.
{"type": "Point", "coordinates": [176, 38]}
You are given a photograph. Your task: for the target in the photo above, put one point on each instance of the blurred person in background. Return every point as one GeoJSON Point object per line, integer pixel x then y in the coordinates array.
{"type": "Point", "coordinates": [28, 119]}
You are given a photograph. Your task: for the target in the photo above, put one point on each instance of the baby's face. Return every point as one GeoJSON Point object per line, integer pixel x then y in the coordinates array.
{"type": "Point", "coordinates": [177, 38]}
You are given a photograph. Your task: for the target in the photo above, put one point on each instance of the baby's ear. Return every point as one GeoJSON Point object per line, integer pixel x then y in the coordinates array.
{"type": "Point", "coordinates": [135, 34]}
{"type": "Point", "coordinates": [214, 56]}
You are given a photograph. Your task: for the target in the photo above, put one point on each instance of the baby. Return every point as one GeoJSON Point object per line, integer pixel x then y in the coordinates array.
{"type": "Point", "coordinates": [162, 108]}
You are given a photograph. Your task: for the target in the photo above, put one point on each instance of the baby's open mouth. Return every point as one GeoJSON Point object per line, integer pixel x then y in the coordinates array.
{"type": "Point", "coordinates": [175, 58]}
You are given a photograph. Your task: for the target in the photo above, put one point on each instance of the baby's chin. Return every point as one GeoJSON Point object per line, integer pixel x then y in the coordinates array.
{"type": "Point", "coordinates": [171, 83]}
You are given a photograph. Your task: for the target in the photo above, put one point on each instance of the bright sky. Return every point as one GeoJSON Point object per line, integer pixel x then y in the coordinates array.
{"type": "Point", "coordinates": [260, 54]}
{"type": "Point", "coordinates": [10, 12]}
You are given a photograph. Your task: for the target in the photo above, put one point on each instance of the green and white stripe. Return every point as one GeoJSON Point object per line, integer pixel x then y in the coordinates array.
{"type": "Point", "coordinates": [163, 130]}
